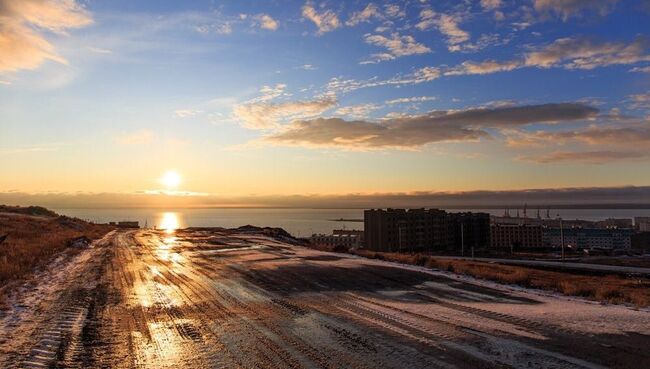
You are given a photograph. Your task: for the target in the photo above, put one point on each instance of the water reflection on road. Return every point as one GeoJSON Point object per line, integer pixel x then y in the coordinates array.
{"type": "Point", "coordinates": [178, 298]}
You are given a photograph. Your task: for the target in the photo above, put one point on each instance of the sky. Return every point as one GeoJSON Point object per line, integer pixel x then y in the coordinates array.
{"type": "Point", "coordinates": [266, 99]}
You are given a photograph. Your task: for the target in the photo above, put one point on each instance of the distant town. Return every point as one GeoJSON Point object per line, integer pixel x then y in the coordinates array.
{"type": "Point", "coordinates": [437, 231]}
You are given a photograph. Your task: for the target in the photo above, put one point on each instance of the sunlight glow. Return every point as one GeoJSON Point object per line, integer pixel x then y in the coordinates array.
{"type": "Point", "coordinates": [169, 222]}
{"type": "Point", "coordinates": [171, 179]}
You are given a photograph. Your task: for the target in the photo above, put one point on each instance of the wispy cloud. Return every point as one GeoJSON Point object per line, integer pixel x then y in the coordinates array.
{"type": "Point", "coordinates": [641, 69]}
{"type": "Point", "coordinates": [587, 157]}
{"type": "Point", "coordinates": [262, 112]}
{"type": "Point", "coordinates": [28, 149]}
{"type": "Point", "coordinates": [307, 67]}
{"type": "Point", "coordinates": [267, 22]}
{"type": "Point", "coordinates": [357, 111]}
{"type": "Point", "coordinates": [22, 23]}
{"type": "Point", "coordinates": [568, 53]}
{"type": "Point", "coordinates": [571, 8]}
{"type": "Point", "coordinates": [422, 75]}
{"type": "Point", "coordinates": [586, 53]}
{"type": "Point", "coordinates": [98, 50]}
{"type": "Point", "coordinates": [396, 45]}
{"type": "Point", "coordinates": [639, 101]}
{"type": "Point", "coordinates": [369, 12]}
{"type": "Point", "coordinates": [394, 11]}
{"type": "Point", "coordinates": [406, 100]}
{"type": "Point", "coordinates": [220, 28]}
{"type": "Point", "coordinates": [186, 113]}
{"type": "Point", "coordinates": [446, 24]}
{"type": "Point", "coordinates": [491, 4]}
{"type": "Point", "coordinates": [325, 21]}
{"type": "Point", "coordinates": [484, 67]}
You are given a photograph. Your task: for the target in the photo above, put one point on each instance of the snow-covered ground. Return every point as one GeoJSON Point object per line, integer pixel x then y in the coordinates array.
{"type": "Point", "coordinates": [207, 299]}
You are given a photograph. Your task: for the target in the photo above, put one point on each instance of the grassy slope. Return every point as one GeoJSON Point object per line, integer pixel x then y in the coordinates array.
{"type": "Point", "coordinates": [33, 240]}
{"type": "Point", "coordinates": [608, 288]}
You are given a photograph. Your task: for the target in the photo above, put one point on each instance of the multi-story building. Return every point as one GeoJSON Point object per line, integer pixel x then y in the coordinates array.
{"type": "Point", "coordinates": [424, 230]}
{"type": "Point", "coordinates": [346, 240]}
{"type": "Point", "coordinates": [472, 230]}
{"type": "Point", "coordinates": [569, 223]}
{"type": "Point", "coordinates": [642, 224]}
{"type": "Point", "coordinates": [516, 236]}
{"type": "Point", "coordinates": [350, 232]}
{"type": "Point", "coordinates": [641, 241]}
{"type": "Point", "coordinates": [588, 238]}
{"type": "Point", "coordinates": [614, 223]}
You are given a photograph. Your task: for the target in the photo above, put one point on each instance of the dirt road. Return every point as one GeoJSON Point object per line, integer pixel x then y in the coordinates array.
{"type": "Point", "coordinates": [220, 299]}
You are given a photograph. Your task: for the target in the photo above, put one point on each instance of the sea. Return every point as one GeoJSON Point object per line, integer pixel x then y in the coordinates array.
{"type": "Point", "coordinates": [298, 222]}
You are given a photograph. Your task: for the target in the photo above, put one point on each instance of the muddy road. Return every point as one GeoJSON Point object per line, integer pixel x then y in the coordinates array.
{"type": "Point", "coordinates": [221, 299]}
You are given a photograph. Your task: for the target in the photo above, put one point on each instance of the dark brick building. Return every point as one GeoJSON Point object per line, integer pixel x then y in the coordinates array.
{"type": "Point", "coordinates": [514, 237]}
{"type": "Point", "coordinates": [424, 230]}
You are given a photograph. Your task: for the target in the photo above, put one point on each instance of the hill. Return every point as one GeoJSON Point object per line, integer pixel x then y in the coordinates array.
{"type": "Point", "coordinates": [31, 236]}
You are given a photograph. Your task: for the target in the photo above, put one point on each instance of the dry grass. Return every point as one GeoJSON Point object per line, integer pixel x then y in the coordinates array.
{"type": "Point", "coordinates": [607, 289]}
{"type": "Point", "coordinates": [33, 240]}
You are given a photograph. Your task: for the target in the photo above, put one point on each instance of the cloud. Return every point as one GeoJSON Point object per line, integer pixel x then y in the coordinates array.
{"type": "Point", "coordinates": [22, 44]}
{"type": "Point", "coordinates": [140, 137]}
{"type": "Point", "coordinates": [629, 196]}
{"type": "Point", "coordinates": [615, 136]}
{"type": "Point", "coordinates": [365, 15]}
{"type": "Point", "coordinates": [98, 50]}
{"type": "Point", "coordinates": [405, 133]}
{"type": "Point", "coordinates": [585, 53]}
{"type": "Point", "coordinates": [267, 115]}
{"type": "Point", "coordinates": [394, 11]}
{"type": "Point", "coordinates": [568, 53]}
{"type": "Point", "coordinates": [425, 74]}
{"type": "Point", "coordinates": [447, 25]}
{"type": "Point", "coordinates": [357, 111]}
{"type": "Point", "coordinates": [271, 92]}
{"type": "Point", "coordinates": [265, 21]}
{"type": "Point", "coordinates": [186, 113]}
{"type": "Point", "coordinates": [221, 28]}
{"type": "Point", "coordinates": [307, 67]}
{"type": "Point", "coordinates": [568, 8]}
{"type": "Point", "coordinates": [621, 136]}
{"type": "Point", "coordinates": [587, 157]}
{"type": "Point", "coordinates": [326, 21]}
{"type": "Point", "coordinates": [28, 149]}
{"type": "Point", "coordinates": [491, 4]}
{"type": "Point", "coordinates": [406, 100]}
{"type": "Point", "coordinates": [415, 131]}
{"type": "Point", "coordinates": [641, 69]}
{"type": "Point", "coordinates": [396, 45]}
{"type": "Point", "coordinates": [639, 101]}
{"type": "Point", "coordinates": [485, 67]}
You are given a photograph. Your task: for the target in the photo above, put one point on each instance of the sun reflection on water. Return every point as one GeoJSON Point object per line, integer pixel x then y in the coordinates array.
{"type": "Point", "coordinates": [170, 222]}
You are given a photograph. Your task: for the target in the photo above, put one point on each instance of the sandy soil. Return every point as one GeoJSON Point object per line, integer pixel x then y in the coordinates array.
{"type": "Point", "coordinates": [220, 299]}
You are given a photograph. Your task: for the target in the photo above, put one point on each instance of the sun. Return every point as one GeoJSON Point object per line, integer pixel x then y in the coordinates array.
{"type": "Point", "coordinates": [171, 179]}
